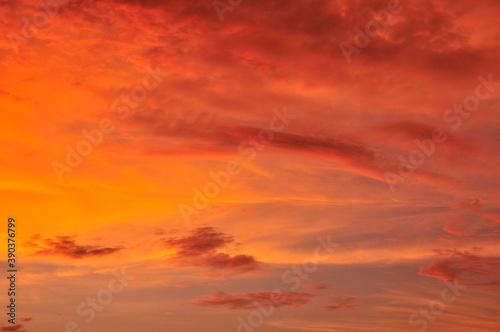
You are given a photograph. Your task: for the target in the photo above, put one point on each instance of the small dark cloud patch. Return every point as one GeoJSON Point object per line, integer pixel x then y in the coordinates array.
{"type": "Point", "coordinates": [67, 246]}
{"type": "Point", "coordinates": [249, 301]}
{"type": "Point", "coordinates": [208, 247]}
{"type": "Point", "coordinates": [341, 302]}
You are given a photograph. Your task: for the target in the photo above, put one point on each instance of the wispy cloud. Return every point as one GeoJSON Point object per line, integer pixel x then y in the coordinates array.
{"type": "Point", "coordinates": [341, 302]}
{"type": "Point", "coordinates": [249, 301]}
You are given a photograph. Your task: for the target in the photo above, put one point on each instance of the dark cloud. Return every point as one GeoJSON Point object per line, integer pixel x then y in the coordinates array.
{"type": "Point", "coordinates": [17, 327]}
{"type": "Point", "coordinates": [314, 285]}
{"type": "Point", "coordinates": [343, 302]}
{"type": "Point", "coordinates": [205, 246]}
{"type": "Point", "coordinates": [201, 241]}
{"type": "Point", "coordinates": [356, 156]}
{"type": "Point", "coordinates": [66, 246]}
{"type": "Point", "coordinates": [250, 301]}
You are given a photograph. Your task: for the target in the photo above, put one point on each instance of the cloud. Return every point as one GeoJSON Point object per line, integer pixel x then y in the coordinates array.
{"type": "Point", "coordinates": [455, 227]}
{"type": "Point", "coordinates": [343, 302]}
{"type": "Point", "coordinates": [404, 134]}
{"type": "Point", "coordinates": [17, 327]}
{"type": "Point", "coordinates": [458, 232]}
{"type": "Point", "coordinates": [468, 227]}
{"type": "Point", "coordinates": [201, 241]}
{"type": "Point", "coordinates": [217, 136]}
{"type": "Point", "coordinates": [250, 301]}
{"type": "Point", "coordinates": [475, 205]}
{"type": "Point", "coordinates": [204, 247]}
{"type": "Point", "coordinates": [67, 247]}
{"type": "Point", "coordinates": [314, 285]}
{"type": "Point", "coordinates": [224, 80]}
{"type": "Point", "coordinates": [468, 268]}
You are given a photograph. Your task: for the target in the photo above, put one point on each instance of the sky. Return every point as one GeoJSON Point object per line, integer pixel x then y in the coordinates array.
{"type": "Point", "coordinates": [245, 166]}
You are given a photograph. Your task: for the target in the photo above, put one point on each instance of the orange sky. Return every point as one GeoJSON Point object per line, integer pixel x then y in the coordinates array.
{"type": "Point", "coordinates": [209, 148]}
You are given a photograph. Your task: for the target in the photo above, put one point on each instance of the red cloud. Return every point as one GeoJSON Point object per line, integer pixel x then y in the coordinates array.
{"type": "Point", "coordinates": [252, 300]}
{"type": "Point", "coordinates": [484, 227]}
{"type": "Point", "coordinates": [354, 156]}
{"type": "Point", "coordinates": [475, 206]}
{"type": "Point", "coordinates": [458, 232]}
{"type": "Point", "coordinates": [343, 302]}
{"type": "Point", "coordinates": [454, 227]}
{"type": "Point", "coordinates": [405, 132]}
{"type": "Point", "coordinates": [466, 268]}
{"type": "Point", "coordinates": [18, 328]}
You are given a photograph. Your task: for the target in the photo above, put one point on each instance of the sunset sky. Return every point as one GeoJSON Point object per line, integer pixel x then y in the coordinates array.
{"type": "Point", "coordinates": [238, 165]}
